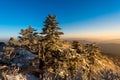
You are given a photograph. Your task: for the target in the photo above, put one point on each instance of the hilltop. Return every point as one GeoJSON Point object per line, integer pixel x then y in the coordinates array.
{"type": "Point", "coordinates": [44, 56]}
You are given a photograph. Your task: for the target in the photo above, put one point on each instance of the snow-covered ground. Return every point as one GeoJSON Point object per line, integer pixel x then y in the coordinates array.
{"type": "Point", "coordinates": [21, 77]}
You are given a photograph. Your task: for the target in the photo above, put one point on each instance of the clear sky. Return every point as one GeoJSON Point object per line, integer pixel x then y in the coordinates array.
{"type": "Point", "coordinates": [77, 18]}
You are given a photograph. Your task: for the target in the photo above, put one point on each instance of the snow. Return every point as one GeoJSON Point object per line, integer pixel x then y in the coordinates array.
{"type": "Point", "coordinates": [22, 58]}
{"type": "Point", "coordinates": [21, 77]}
{"type": "Point", "coordinates": [25, 53]}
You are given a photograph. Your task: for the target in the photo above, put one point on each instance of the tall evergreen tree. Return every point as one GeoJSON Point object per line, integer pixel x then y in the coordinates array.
{"type": "Point", "coordinates": [49, 44]}
{"type": "Point", "coordinates": [51, 29]}
{"type": "Point", "coordinates": [51, 36]}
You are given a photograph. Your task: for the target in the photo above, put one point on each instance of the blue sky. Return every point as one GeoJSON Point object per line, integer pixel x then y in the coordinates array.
{"type": "Point", "coordinates": [77, 18]}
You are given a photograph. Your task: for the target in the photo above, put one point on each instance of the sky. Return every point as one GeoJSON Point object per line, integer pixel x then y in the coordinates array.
{"type": "Point", "coordinates": [97, 19]}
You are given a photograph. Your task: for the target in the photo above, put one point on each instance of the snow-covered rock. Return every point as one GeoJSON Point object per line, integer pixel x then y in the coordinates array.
{"type": "Point", "coordinates": [25, 53]}
{"type": "Point", "coordinates": [23, 58]}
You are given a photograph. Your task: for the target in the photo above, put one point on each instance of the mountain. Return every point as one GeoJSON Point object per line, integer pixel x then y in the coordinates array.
{"type": "Point", "coordinates": [110, 46]}
{"type": "Point", "coordinates": [112, 41]}
{"type": "Point", "coordinates": [92, 67]}
{"type": "Point", "coordinates": [88, 64]}
{"type": "Point", "coordinates": [106, 46]}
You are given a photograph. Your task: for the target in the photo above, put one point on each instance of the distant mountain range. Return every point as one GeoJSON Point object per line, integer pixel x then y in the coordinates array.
{"type": "Point", "coordinates": [107, 46]}
{"type": "Point", "coordinates": [113, 41]}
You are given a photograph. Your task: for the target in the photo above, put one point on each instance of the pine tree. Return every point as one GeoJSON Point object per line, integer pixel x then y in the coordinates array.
{"type": "Point", "coordinates": [51, 37]}
{"type": "Point", "coordinates": [29, 38]}
{"type": "Point", "coordinates": [50, 44]}
{"type": "Point", "coordinates": [51, 29]}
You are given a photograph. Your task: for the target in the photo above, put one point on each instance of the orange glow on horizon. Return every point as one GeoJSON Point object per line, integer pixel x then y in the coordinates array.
{"type": "Point", "coordinates": [96, 37]}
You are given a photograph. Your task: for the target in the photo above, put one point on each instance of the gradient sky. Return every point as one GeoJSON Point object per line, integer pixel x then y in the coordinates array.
{"type": "Point", "coordinates": [98, 19]}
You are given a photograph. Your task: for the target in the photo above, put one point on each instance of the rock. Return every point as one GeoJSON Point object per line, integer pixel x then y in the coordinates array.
{"type": "Point", "coordinates": [23, 58]}
{"type": "Point", "coordinates": [25, 53]}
